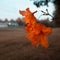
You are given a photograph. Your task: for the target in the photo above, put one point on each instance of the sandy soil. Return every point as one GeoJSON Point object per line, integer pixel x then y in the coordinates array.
{"type": "Point", "coordinates": [14, 46]}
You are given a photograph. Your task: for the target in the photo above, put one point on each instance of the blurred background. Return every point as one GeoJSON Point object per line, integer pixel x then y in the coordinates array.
{"type": "Point", "coordinates": [48, 12]}
{"type": "Point", "coordinates": [13, 44]}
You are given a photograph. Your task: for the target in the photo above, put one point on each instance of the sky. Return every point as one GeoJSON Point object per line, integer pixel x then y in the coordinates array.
{"type": "Point", "coordinates": [10, 9]}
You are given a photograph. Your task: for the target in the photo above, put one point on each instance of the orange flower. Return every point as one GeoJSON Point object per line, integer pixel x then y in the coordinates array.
{"type": "Point", "coordinates": [37, 33]}
{"type": "Point", "coordinates": [38, 36]}
{"type": "Point", "coordinates": [29, 16]}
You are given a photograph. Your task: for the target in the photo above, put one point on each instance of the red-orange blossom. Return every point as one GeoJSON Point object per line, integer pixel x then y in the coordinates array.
{"type": "Point", "coordinates": [37, 32]}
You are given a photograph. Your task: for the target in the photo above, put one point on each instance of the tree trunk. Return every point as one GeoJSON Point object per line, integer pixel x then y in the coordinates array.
{"type": "Point", "coordinates": [57, 13]}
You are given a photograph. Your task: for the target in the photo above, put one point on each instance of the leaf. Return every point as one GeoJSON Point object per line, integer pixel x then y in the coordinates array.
{"type": "Point", "coordinates": [44, 41]}
{"type": "Point", "coordinates": [37, 33]}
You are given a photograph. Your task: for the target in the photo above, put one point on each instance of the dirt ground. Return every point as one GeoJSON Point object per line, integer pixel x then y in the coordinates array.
{"type": "Point", "coordinates": [14, 46]}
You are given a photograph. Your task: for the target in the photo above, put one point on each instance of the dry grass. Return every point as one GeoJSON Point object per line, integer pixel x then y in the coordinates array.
{"type": "Point", "coordinates": [14, 46]}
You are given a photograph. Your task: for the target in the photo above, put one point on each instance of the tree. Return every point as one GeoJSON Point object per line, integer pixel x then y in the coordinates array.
{"type": "Point", "coordinates": [6, 20]}
{"type": "Point", "coordinates": [1, 20]}
{"type": "Point", "coordinates": [39, 3]}
{"type": "Point", "coordinates": [57, 13]}
{"type": "Point", "coordinates": [12, 20]}
{"type": "Point", "coordinates": [19, 21]}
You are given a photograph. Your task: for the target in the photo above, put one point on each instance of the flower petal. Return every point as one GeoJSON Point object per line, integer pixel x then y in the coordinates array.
{"type": "Point", "coordinates": [44, 41]}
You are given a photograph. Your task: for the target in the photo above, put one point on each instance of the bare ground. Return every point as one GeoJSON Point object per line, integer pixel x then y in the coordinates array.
{"type": "Point", "coordinates": [14, 46]}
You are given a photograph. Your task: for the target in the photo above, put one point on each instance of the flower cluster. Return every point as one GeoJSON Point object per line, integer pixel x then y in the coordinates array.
{"type": "Point", "coordinates": [37, 32]}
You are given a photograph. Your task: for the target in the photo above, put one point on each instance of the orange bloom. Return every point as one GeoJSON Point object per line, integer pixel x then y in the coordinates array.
{"type": "Point", "coordinates": [29, 17]}
{"type": "Point", "coordinates": [37, 33]}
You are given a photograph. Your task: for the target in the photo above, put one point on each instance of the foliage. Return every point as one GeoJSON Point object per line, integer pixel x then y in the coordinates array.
{"type": "Point", "coordinates": [37, 32]}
